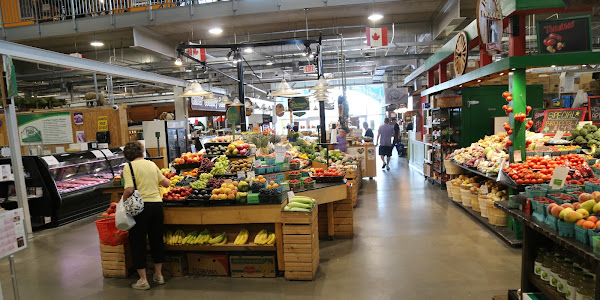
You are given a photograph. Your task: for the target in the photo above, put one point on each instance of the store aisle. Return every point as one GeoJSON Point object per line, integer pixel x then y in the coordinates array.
{"type": "Point", "coordinates": [411, 243]}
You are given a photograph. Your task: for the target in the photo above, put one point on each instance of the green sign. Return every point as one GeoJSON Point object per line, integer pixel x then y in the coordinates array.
{"type": "Point", "coordinates": [11, 78]}
{"type": "Point", "coordinates": [298, 103]}
{"type": "Point", "coordinates": [45, 128]}
{"type": "Point", "coordinates": [233, 115]}
{"type": "Point", "coordinates": [299, 114]}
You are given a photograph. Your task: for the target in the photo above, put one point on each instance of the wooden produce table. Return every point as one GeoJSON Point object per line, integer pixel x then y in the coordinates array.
{"type": "Point", "coordinates": [537, 234]}
{"type": "Point", "coordinates": [115, 191]}
{"type": "Point", "coordinates": [296, 243]}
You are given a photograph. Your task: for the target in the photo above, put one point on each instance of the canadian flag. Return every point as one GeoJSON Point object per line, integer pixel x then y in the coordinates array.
{"type": "Point", "coordinates": [377, 37]}
{"type": "Point", "coordinates": [196, 53]}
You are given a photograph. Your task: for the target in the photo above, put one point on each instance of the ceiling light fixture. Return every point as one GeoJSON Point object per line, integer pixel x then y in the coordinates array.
{"type": "Point", "coordinates": [248, 50]}
{"type": "Point", "coordinates": [375, 17]}
{"type": "Point", "coordinates": [365, 41]}
{"type": "Point", "coordinates": [478, 80]}
{"type": "Point", "coordinates": [501, 73]}
{"type": "Point", "coordinates": [215, 30]}
{"type": "Point", "coordinates": [269, 63]}
{"type": "Point", "coordinates": [237, 57]}
{"type": "Point", "coordinates": [513, 69]}
{"type": "Point", "coordinates": [584, 65]}
{"type": "Point", "coordinates": [554, 66]}
{"type": "Point", "coordinates": [178, 62]}
{"type": "Point", "coordinates": [97, 43]}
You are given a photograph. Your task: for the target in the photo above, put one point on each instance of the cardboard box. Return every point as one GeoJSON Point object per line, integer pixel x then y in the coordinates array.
{"type": "Point", "coordinates": [174, 265]}
{"type": "Point", "coordinates": [208, 264]}
{"type": "Point", "coordinates": [252, 266]}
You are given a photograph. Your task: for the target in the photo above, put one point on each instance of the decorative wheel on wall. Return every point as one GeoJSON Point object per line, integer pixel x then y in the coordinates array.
{"type": "Point", "coordinates": [461, 50]}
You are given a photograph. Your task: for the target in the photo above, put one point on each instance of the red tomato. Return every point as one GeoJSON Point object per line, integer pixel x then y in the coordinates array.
{"type": "Point", "coordinates": [520, 181]}
{"type": "Point", "coordinates": [526, 181]}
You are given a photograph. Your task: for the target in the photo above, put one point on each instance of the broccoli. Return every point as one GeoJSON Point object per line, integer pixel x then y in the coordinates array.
{"type": "Point", "coordinates": [575, 132]}
{"type": "Point", "coordinates": [569, 138]}
{"type": "Point", "coordinates": [592, 143]}
{"type": "Point", "coordinates": [580, 140]}
{"type": "Point", "coordinates": [583, 132]}
{"type": "Point", "coordinates": [597, 135]}
{"type": "Point", "coordinates": [589, 136]}
{"type": "Point", "coordinates": [586, 126]}
{"type": "Point", "coordinates": [593, 128]}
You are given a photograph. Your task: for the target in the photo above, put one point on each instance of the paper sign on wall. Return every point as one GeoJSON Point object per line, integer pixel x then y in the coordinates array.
{"type": "Point", "coordinates": [559, 177]}
{"type": "Point", "coordinates": [45, 128]}
{"type": "Point", "coordinates": [103, 123]}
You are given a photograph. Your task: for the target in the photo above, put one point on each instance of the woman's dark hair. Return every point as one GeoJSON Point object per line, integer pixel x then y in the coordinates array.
{"type": "Point", "coordinates": [133, 150]}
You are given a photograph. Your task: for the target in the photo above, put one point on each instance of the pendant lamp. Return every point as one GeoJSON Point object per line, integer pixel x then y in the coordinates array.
{"type": "Point", "coordinates": [194, 89]}
{"type": "Point", "coordinates": [210, 97]}
{"type": "Point", "coordinates": [283, 90]}
{"type": "Point", "coordinates": [321, 85]}
{"type": "Point", "coordinates": [225, 100]}
{"type": "Point", "coordinates": [237, 102]}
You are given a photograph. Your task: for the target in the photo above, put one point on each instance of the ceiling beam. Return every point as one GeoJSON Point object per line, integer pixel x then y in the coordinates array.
{"type": "Point", "coordinates": [45, 57]}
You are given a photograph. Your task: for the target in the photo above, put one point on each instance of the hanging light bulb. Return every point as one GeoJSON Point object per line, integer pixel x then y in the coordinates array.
{"type": "Point", "coordinates": [194, 89]}
{"type": "Point", "coordinates": [178, 62]}
{"type": "Point", "coordinates": [283, 90]}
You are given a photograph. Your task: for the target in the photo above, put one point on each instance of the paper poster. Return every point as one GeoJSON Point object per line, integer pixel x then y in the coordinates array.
{"type": "Point", "coordinates": [559, 177]}
{"type": "Point", "coordinates": [45, 128]}
{"type": "Point", "coordinates": [12, 227]}
{"type": "Point", "coordinates": [50, 160]}
{"type": "Point", "coordinates": [279, 153]}
{"type": "Point", "coordinates": [78, 118]}
{"type": "Point", "coordinates": [360, 154]}
{"type": "Point", "coordinates": [80, 136]}
{"type": "Point", "coordinates": [103, 123]}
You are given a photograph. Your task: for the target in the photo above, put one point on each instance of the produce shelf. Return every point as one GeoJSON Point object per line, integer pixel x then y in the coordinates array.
{"type": "Point", "coordinates": [550, 292]}
{"type": "Point", "coordinates": [225, 247]}
{"type": "Point", "coordinates": [502, 232]}
{"type": "Point", "coordinates": [437, 170]}
{"type": "Point", "coordinates": [584, 250]}
{"type": "Point", "coordinates": [507, 182]}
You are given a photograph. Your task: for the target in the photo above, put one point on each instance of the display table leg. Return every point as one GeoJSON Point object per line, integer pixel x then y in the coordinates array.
{"type": "Point", "coordinates": [330, 221]}
{"type": "Point", "coordinates": [279, 245]}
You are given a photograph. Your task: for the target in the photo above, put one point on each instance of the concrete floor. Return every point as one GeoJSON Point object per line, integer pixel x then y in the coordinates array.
{"type": "Point", "coordinates": [410, 243]}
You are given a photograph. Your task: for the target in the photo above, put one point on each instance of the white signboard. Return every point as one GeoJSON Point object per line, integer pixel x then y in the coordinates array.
{"type": "Point", "coordinates": [280, 153]}
{"type": "Point", "coordinates": [559, 177]}
{"type": "Point", "coordinates": [45, 128]}
{"type": "Point", "coordinates": [360, 154]}
{"type": "Point", "coordinates": [12, 232]}
{"type": "Point", "coordinates": [51, 160]}
{"type": "Point", "coordinates": [109, 153]}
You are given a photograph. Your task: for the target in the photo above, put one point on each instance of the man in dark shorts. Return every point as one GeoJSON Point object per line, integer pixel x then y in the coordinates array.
{"type": "Point", "coordinates": [385, 134]}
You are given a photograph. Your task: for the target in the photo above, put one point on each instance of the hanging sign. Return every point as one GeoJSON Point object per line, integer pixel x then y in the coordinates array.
{"type": "Point", "coordinates": [489, 25]}
{"type": "Point", "coordinates": [279, 110]}
{"type": "Point", "coordinates": [377, 37]}
{"type": "Point", "coordinates": [298, 103]}
{"type": "Point", "coordinates": [198, 103]}
{"type": "Point", "coordinates": [594, 109]}
{"type": "Point", "coordinates": [199, 54]}
{"type": "Point", "coordinates": [565, 119]}
{"type": "Point", "coordinates": [310, 69]}
{"type": "Point", "coordinates": [233, 115]}
{"type": "Point", "coordinates": [46, 128]}
{"type": "Point", "coordinates": [564, 35]}
{"type": "Point", "coordinates": [103, 123]}
{"type": "Point", "coordinates": [12, 226]}
{"type": "Point", "coordinates": [461, 53]}
{"type": "Point", "coordinates": [396, 95]}
{"type": "Point", "coordinates": [299, 114]}
{"type": "Point", "coordinates": [11, 78]}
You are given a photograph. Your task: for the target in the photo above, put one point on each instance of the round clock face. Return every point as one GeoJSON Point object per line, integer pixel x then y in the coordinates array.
{"type": "Point", "coordinates": [461, 50]}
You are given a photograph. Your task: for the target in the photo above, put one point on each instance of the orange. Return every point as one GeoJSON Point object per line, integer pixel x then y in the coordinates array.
{"type": "Point", "coordinates": [589, 225]}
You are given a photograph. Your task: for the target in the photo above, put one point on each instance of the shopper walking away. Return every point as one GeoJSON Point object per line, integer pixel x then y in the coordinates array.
{"type": "Point", "coordinates": [149, 222]}
{"type": "Point", "coordinates": [368, 131]}
{"type": "Point", "coordinates": [341, 140]}
{"type": "Point", "coordinates": [385, 134]}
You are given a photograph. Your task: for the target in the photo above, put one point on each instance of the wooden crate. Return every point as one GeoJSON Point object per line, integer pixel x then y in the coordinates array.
{"type": "Point", "coordinates": [343, 220]}
{"type": "Point", "coordinates": [116, 260]}
{"type": "Point", "coordinates": [300, 244]}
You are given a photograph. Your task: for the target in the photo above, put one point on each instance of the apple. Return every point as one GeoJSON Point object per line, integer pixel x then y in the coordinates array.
{"type": "Point", "coordinates": [573, 216]}
{"type": "Point", "coordinates": [580, 222]}
{"type": "Point", "coordinates": [597, 224]}
{"type": "Point", "coordinates": [589, 225]}
{"type": "Point", "coordinates": [556, 210]}
{"type": "Point", "coordinates": [583, 212]}
{"type": "Point", "coordinates": [576, 205]}
{"type": "Point", "coordinates": [567, 205]}
{"type": "Point", "coordinates": [585, 197]}
{"type": "Point", "coordinates": [551, 206]}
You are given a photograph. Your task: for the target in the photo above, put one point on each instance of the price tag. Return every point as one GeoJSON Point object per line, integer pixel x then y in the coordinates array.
{"type": "Point", "coordinates": [559, 134]}
{"type": "Point", "coordinates": [122, 147]}
{"type": "Point", "coordinates": [517, 156]}
{"type": "Point", "coordinates": [98, 153]}
{"type": "Point", "coordinates": [60, 149]}
{"type": "Point", "coordinates": [250, 175]}
{"type": "Point", "coordinates": [241, 175]}
{"type": "Point", "coordinates": [559, 177]}
{"type": "Point", "coordinates": [50, 160]}
{"type": "Point", "coordinates": [107, 152]}
{"type": "Point", "coordinates": [484, 190]}
{"type": "Point", "coordinates": [501, 174]}
{"type": "Point", "coordinates": [580, 124]}
{"type": "Point", "coordinates": [290, 195]}
{"type": "Point", "coordinates": [279, 154]}
{"type": "Point", "coordinates": [257, 163]}
{"type": "Point", "coordinates": [6, 152]}
{"type": "Point", "coordinates": [310, 174]}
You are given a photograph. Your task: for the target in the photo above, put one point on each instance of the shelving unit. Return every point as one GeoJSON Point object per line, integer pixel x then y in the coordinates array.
{"type": "Point", "coordinates": [445, 130]}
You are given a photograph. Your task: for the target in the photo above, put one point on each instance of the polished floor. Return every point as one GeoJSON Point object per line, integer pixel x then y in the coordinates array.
{"type": "Point", "coordinates": [411, 242]}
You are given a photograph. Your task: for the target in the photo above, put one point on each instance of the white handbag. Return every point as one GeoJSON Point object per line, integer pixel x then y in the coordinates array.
{"type": "Point", "coordinates": [134, 205]}
{"type": "Point", "coordinates": [122, 220]}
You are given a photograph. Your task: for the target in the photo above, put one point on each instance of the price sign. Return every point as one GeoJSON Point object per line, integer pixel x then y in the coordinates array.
{"type": "Point", "coordinates": [279, 154]}
{"type": "Point", "coordinates": [559, 135]}
{"type": "Point", "coordinates": [51, 160]}
{"type": "Point", "coordinates": [98, 153]}
{"type": "Point", "coordinates": [12, 226]}
{"type": "Point", "coordinates": [310, 174]}
{"type": "Point", "coordinates": [257, 163]}
{"type": "Point", "coordinates": [559, 177]}
{"type": "Point", "coordinates": [108, 153]}
{"type": "Point", "coordinates": [565, 119]}
{"type": "Point", "coordinates": [241, 175]}
{"type": "Point", "coordinates": [517, 156]}
{"type": "Point", "coordinates": [594, 109]}
{"type": "Point", "coordinates": [484, 190]}
{"type": "Point", "coordinates": [290, 195]}
{"type": "Point", "coordinates": [250, 175]}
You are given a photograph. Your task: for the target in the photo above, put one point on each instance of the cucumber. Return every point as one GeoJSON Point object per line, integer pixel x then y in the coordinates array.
{"type": "Point", "coordinates": [299, 209]}
{"type": "Point", "coordinates": [300, 205]}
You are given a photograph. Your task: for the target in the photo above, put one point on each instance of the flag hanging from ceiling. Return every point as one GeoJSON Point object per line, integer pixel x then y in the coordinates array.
{"type": "Point", "coordinates": [377, 37]}
{"type": "Point", "coordinates": [199, 54]}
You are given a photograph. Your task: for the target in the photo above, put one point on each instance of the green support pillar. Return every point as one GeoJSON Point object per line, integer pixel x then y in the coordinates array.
{"type": "Point", "coordinates": [519, 103]}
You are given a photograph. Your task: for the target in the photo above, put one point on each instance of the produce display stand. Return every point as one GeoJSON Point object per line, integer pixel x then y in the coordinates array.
{"type": "Point", "coordinates": [537, 234]}
{"type": "Point", "coordinates": [115, 192]}
{"type": "Point", "coordinates": [504, 180]}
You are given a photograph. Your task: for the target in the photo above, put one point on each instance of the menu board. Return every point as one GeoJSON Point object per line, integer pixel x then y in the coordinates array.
{"type": "Point", "coordinates": [565, 119]}
{"type": "Point", "coordinates": [594, 109]}
{"type": "Point", "coordinates": [537, 115]}
{"type": "Point", "coordinates": [564, 35]}
{"type": "Point", "coordinates": [12, 232]}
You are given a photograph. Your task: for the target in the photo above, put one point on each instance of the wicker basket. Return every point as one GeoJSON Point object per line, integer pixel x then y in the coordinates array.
{"type": "Point", "coordinates": [449, 188]}
{"type": "Point", "coordinates": [452, 169]}
{"type": "Point", "coordinates": [475, 202]}
{"type": "Point", "coordinates": [483, 205]}
{"type": "Point", "coordinates": [465, 197]}
{"type": "Point", "coordinates": [496, 216]}
{"type": "Point", "coordinates": [456, 193]}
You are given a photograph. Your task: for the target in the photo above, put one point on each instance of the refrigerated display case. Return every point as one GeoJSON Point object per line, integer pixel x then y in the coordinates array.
{"type": "Point", "coordinates": [170, 134]}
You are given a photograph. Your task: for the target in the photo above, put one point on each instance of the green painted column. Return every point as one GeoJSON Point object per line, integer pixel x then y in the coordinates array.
{"type": "Point", "coordinates": [519, 104]}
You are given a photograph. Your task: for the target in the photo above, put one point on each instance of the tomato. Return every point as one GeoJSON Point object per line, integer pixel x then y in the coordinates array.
{"type": "Point", "coordinates": [540, 181]}
{"type": "Point", "coordinates": [526, 181]}
{"type": "Point", "coordinates": [520, 181]}
{"type": "Point", "coordinates": [569, 177]}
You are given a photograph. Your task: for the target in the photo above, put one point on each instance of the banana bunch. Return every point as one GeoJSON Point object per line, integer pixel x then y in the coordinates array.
{"type": "Point", "coordinates": [200, 239]}
{"type": "Point", "coordinates": [242, 237]}
{"type": "Point", "coordinates": [175, 179]}
{"type": "Point", "coordinates": [264, 238]}
{"type": "Point", "coordinates": [174, 238]}
{"type": "Point", "coordinates": [218, 240]}
{"type": "Point", "coordinates": [189, 238]}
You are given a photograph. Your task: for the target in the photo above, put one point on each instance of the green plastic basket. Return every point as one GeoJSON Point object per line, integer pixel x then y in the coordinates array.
{"type": "Point", "coordinates": [566, 229]}
{"type": "Point", "coordinates": [581, 234]}
{"type": "Point", "coordinates": [552, 221]}
{"type": "Point", "coordinates": [535, 191]}
{"type": "Point", "coordinates": [539, 212]}
{"type": "Point", "coordinates": [516, 227]}
{"type": "Point", "coordinates": [591, 235]}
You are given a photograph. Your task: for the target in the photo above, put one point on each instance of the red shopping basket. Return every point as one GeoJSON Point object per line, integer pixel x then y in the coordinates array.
{"type": "Point", "coordinates": [109, 233]}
